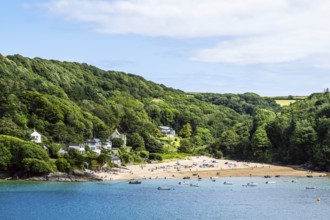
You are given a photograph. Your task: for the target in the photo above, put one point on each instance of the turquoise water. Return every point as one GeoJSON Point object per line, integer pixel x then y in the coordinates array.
{"type": "Point", "coordinates": [212, 200]}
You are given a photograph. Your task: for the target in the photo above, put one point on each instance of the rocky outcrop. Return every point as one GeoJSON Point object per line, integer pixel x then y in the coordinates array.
{"type": "Point", "coordinates": [74, 176]}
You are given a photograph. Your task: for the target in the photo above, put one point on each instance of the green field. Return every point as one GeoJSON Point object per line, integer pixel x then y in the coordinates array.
{"type": "Point", "coordinates": [285, 102]}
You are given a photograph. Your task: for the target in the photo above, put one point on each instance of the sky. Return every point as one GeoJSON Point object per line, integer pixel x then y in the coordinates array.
{"type": "Point", "coordinates": [270, 47]}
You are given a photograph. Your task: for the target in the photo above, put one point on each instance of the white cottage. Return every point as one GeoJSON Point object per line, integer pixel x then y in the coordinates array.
{"type": "Point", "coordinates": [96, 145]}
{"type": "Point", "coordinates": [79, 147]}
{"type": "Point", "coordinates": [116, 134]}
{"type": "Point", "coordinates": [167, 131]}
{"type": "Point", "coordinates": [36, 137]}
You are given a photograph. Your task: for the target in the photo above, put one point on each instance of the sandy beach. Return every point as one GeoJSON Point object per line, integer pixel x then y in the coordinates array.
{"type": "Point", "coordinates": [204, 167]}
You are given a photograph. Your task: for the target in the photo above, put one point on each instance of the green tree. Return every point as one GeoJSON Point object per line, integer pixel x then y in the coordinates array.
{"type": "Point", "coordinates": [117, 142]}
{"type": "Point", "coordinates": [261, 146]}
{"type": "Point", "coordinates": [186, 131]}
{"type": "Point", "coordinates": [63, 165]}
{"type": "Point", "coordinates": [5, 157]}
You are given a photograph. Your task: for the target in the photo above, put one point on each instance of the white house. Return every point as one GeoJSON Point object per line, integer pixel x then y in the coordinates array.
{"type": "Point", "coordinates": [96, 145]}
{"type": "Point", "coordinates": [116, 160]}
{"type": "Point", "coordinates": [116, 134]}
{"type": "Point", "coordinates": [79, 147]}
{"type": "Point", "coordinates": [167, 131]}
{"type": "Point", "coordinates": [36, 137]}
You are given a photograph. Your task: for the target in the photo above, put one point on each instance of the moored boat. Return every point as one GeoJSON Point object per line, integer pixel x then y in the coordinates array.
{"type": "Point", "coordinates": [184, 183]}
{"type": "Point", "coordinates": [195, 184]}
{"type": "Point", "coordinates": [227, 183]}
{"type": "Point", "coordinates": [164, 188]}
{"type": "Point", "coordinates": [134, 182]}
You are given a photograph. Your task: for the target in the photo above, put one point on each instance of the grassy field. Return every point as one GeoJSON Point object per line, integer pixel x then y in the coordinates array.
{"type": "Point", "coordinates": [285, 102]}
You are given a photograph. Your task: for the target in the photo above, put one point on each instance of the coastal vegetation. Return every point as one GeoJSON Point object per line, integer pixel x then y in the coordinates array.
{"type": "Point", "coordinates": [70, 102]}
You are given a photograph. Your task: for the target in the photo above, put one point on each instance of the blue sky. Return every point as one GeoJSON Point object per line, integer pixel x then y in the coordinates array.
{"type": "Point", "coordinates": [270, 47]}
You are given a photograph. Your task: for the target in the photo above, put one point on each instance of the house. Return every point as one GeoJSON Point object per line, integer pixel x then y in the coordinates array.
{"type": "Point", "coordinates": [61, 151]}
{"type": "Point", "coordinates": [116, 134]}
{"type": "Point", "coordinates": [167, 131]}
{"type": "Point", "coordinates": [79, 147]}
{"type": "Point", "coordinates": [36, 137]}
{"type": "Point", "coordinates": [96, 145]}
{"type": "Point", "coordinates": [116, 160]}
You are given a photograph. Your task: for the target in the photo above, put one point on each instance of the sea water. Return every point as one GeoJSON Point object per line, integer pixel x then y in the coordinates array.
{"type": "Point", "coordinates": [285, 199]}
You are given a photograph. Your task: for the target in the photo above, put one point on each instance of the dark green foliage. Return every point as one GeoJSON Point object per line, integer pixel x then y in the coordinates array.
{"type": "Point", "coordinates": [154, 156]}
{"type": "Point", "coordinates": [117, 142]}
{"type": "Point", "coordinates": [62, 165]}
{"type": "Point", "coordinates": [246, 103]}
{"type": "Point", "coordinates": [20, 150]}
{"type": "Point", "coordinates": [185, 146]}
{"type": "Point", "coordinates": [136, 141]}
{"type": "Point", "coordinates": [32, 166]}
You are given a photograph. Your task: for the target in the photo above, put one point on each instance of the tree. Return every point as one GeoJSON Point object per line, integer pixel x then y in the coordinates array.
{"type": "Point", "coordinates": [186, 131]}
{"type": "Point", "coordinates": [62, 165]}
{"type": "Point", "coordinates": [185, 146]}
{"type": "Point", "coordinates": [5, 157]}
{"type": "Point", "coordinates": [261, 146]}
{"type": "Point", "coordinates": [117, 142]}
{"type": "Point", "coordinates": [136, 141]}
{"type": "Point", "coordinates": [34, 166]}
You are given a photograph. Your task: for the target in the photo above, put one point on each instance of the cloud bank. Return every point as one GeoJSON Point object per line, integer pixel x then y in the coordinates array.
{"type": "Point", "coordinates": [256, 31]}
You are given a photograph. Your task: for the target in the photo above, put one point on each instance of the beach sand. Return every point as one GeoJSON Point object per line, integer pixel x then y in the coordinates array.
{"type": "Point", "coordinates": [204, 167]}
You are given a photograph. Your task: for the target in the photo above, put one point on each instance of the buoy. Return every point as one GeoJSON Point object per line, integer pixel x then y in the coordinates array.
{"type": "Point", "coordinates": [318, 199]}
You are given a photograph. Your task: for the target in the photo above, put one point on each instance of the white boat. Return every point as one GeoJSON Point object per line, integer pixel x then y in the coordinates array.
{"type": "Point", "coordinates": [184, 183]}
{"type": "Point", "coordinates": [164, 188]}
{"type": "Point", "coordinates": [227, 183]}
{"type": "Point", "coordinates": [252, 184]}
{"type": "Point", "coordinates": [194, 184]}
{"type": "Point", "coordinates": [270, 182]}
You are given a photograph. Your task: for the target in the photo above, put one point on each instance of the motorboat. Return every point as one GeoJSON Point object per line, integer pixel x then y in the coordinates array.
{"type": "Point", "coordinates": [310, 187]}
{"type": "Point", "coordinates": [270, 182]}
{"type": "Point", "coordinates": [194, 184]}
{"type": "Point", "coordinates": [134, 182]}
{"type": "Point", "coordinates": [227, 183]}
{"type": "Point", "coordinates": [184, 183]}
{"type": "Point", "coordinates": [164, 188]}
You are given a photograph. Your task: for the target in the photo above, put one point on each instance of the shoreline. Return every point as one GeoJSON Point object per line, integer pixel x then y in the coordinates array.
{"type": "Point", "coordinates": [192, 167]}
{"type": "Point", "coordinates": [206, 167]}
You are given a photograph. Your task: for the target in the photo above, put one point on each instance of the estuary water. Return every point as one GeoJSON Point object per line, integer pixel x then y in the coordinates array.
{"type": "Point", "coordinates": [284, 199]}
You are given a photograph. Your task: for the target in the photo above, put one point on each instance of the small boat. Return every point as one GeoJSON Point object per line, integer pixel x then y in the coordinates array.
{"type": "Point", "coordinates": [227, 183]}
{"type": "Point", "coordinates": [186, 177]}
{"type": "Point", "coordinates": [267, 176]}
{"type": "Point", "coordinates": [164, 188]}
{"type": "Point", "coordinates": [134, 182]}
{"type": "Point", "coordinates": [213, 180]}
{"type": "Point", "coordinates": [277, 176]}
{"type": "Point", "coordinates": [309, 176]}
{"type": "Point", "coordinates": [270, 182]}
{"type": "Point", "coordinates": [195, 184]}
{"type": "Point", "coordinates": [184, 183]}
{"type": "Point", "coordinates": [199, 178]}
{"type": "Point", "coordinates": [310, 187]}
{"type": "Point", "coordinates": [252, 184]}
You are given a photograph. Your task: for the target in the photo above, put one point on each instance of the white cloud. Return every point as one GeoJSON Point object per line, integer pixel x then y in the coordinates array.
{"type": "Point", "coordinates": [259, 31]}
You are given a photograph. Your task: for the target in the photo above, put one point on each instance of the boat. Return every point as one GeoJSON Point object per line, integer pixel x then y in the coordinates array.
{"type": "Point", "coordinates": [134, 182]}
{"type": "Point", "coordinates": [186, 177]}
{"type": "Point", "coordinates": [267, 176]}
{"type": "Point", "coordinates": [164, 188]}
{"type": "Point", "coordinates": [213, 180]}
{"type": "Point", "coordinates": [199, 178]}
{"type": "Point", "coordinates": [277, 176]}
{"type": "Point", "coordinates": [310, 187]}
{"type": "Point", "coordinates": [195, 184]}
{"type": "Point", "coordinates": [184, 183]}
{"type": "Point", "coordinates": [270, 182]}
{"type": "Point", "coordinates": [227, 183]}
{"type": "Point", "coordinates": [252, 184]}
{"type": "Point", "coordinates": [309, 176]}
